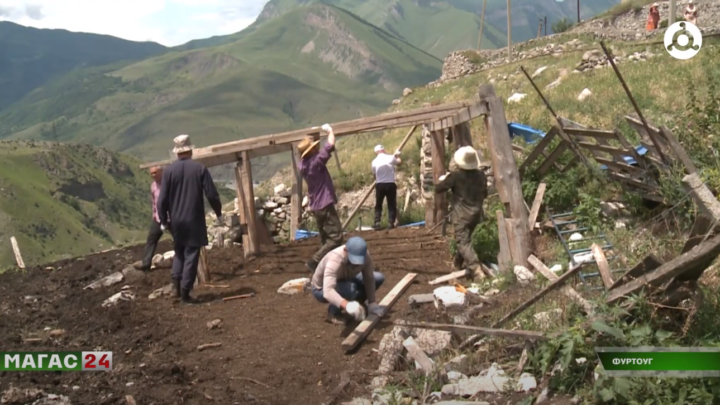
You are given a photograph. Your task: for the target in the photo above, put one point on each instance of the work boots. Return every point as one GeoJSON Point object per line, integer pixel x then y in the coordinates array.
{"type": "Point", "coordinates": [176, 288]}
{"type": "Point", "coordinates": [186, 298]}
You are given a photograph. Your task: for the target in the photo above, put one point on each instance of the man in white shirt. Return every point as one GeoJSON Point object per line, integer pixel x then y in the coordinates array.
{"type": "Point", "coordinates": [383, 168]}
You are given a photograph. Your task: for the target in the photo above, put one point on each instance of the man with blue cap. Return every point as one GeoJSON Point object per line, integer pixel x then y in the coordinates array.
{"type": "Point", "coordinates": [345, 278]}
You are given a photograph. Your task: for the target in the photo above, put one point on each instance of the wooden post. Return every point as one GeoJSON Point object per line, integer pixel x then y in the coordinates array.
{"type": "Point", "coordinates": [462, 136]}
{"type": "Point", "coordinates": [246, 174]}
{"type": "Point", "coordinates": [482, 23]}
{"type": "Point", "coordinates": [504, 257]}
{"type": "Point", "coordinates": [703, 197]}
{"type": "Point", "coordinates": [16, 250]}
{"type": "Point", "coordinates": [509, 27]}
{"type": "Point", "coordinates": [297, 194]}
{"type": "Point", "coordinates": [203, 273]}
{"type": "Point", "coordinates": [532, 218]}
{"type": "Point", "coordinates": [440, 206]}
{"type": "Point", "coordinates": [673, 11]}
{"type": "Point", "coordinates": [507, 177]}
{"type": "Point", "coordinates": [243, 208]}
{"type": "Point", "coordinates": [603, 266]}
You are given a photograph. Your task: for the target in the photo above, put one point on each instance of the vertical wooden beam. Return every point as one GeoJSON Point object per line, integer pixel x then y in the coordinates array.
{"type": "Point", "coordinates": [297, 194]}
{"type": "Point", "coordinates": [603, 266]}
{"type": "Point", "coordinates": [536, 205]}
{"type": "Point", "coordinates": [249, 199]}
{"type": "Point", "coordinates": [203, 274]}
{"type": "Point", "coordinates": [509, 27]}
{"type": "Point", "coordinates": [507, 177]}
{"type": "Point", "coordinates": [482, 23]}
{"type": "Point", "coordinates": [462, 136]}
{"type": "Point", "coordinates": [673, 11]}
{"type": "Point", "coordinates": [504, 258]}
{"type": "Point", "coordinates": [440, 206]}
{"type": "Point", "coordinates": [16, 251]}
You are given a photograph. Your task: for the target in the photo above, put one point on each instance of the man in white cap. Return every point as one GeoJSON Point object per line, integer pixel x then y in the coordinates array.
{"type": "Point", "coordinates": [181, 200]}
{"type": "Point", "coordinates": [383, 167]}
{"type": "Point", "coordinates": [469, 190]}
{"type": "Point", "coordinates": [321, 193]}
{"type": "Point", "coordinates": [691, 12]}
{"type": "Point", "coordinates": [346, 278]}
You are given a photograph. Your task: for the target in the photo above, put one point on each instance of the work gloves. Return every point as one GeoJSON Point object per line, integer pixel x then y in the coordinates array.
{"type": "Point", "coordinates": [441, 178]}
{"type": "Point", "coordinates": [326, 128]}
{"type": "Point", "coordinates": [163, 228]}
{"type": "Point", "coordinates": [397, 153]}
{"type": "Point", "coordinates": [354, 309]}
{"type": "Point", "coordinates": [375, 309]}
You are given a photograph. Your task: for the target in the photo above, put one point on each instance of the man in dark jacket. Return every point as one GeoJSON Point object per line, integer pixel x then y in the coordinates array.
{"type": "Point", "coordinates": [181, 198]}
{"type": "Point", "coordinates": [469, 189]}
{"type": "Point", "coordinates": [321, 193]}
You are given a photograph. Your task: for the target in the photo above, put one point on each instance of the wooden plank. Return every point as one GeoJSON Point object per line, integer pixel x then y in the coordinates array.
{"type": "Point", "coordinates": [555, 284]}
{"type": "Point", "coordinates": [567, 290]}
{"type": "Point", "coordinates": [621, 166]}
{"type": "Point", "coordinates": [698, 259]}
{"type": "Point", "coordinates": [554, 156]}
{"type": "Point", "coordinates": [16, 251]}
{"type": "Point", "coordinates": [242, 205]}
{"type": "Point", "coordinates": [366, 326]}
{"type": "Point", "coordinates": [603, 266]}
{"type": "Point", "coordinates": [421, 299]}
{"type": "Point", "coordinates": [569, 165]}
{"type": "Point", "coordinates": [703, 197]}
{"type": "Point", "coordinates": [630, 181]}
{"type": "Point", "coordinates": [701, 227]}
{"type": "Point", "coordinates": [607, 149]}
{"type": "Point", "coordinates": [524, 357]}
{"type": "Point", "coordinates": [649, 263]}
{"type": "Point", "coordinates": [678, 151]}
{"type": "Point", "coordinates": [635, 155]}
{"type": "Point", "coordinates": [417, 354]}
{"type": "Point", "coordinates": [505, 169]}
{"type": "Point", "coordinates": [297, 194]}
{"type": "Point", "coordinates": [524, 334]}
{"type": "Point", "coordinates": [537, 203]}
{"type": "Point", "coordinates": [504, 258]}
{"type": "Point", "coordinates": [514, 228]}
{"type": "Point", "coordinates": [440, 209]}
{"type": "Point", "coordinates": [448, 277]}
{"type": "Point", "coordinates": [464, 115]}
{"type": "Point", "coordinates": [595, 133]}
{"type": "Point", "coordinates": [539, 149]}
{"type": "Point", "coordinates": [248, 194]}
{"type": "Point", "coordinates": [203, 273]}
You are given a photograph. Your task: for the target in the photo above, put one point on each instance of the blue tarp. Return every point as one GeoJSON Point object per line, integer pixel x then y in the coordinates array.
{"type": "Point", "coordinates": [532, 135]}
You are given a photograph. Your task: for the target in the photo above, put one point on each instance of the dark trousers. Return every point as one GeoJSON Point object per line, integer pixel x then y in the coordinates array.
{"type": "Point", "coordinates": [330, 230]}
{"type": "Point", "coordinates": [386, 191]}
{"type": "Point", "coordinates": [154, 235]}
{"type": "Point", "coordinates": [464, 227]}
{"type": "Point", "coordinates": [352, 290]}
{"type": "Point", "coordinates": [185, 265]}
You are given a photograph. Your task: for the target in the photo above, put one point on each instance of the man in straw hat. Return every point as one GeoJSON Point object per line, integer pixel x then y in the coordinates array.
{"type": "Point", "coordinates": [383, 167]}
{"type": "Point", "coordinates": [469, 189]}
{"type": "Point", "coordinates": [321, 193]}
{"type": "Point", "coordinates": [181, 199]}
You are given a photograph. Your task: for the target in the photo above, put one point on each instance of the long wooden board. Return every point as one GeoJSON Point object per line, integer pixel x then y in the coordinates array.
{"type": "Point", "coordinates": [649, 263]}
{"type": "Point", "coordinates": [603, 266]}
{"type": "Point", "coordinates": [504, 257]}
{"type": "Point", "coordinates": [366, 326]}
{"type": "Point", "coordinates": [529, 335]}
{"type": "Point", "coordinates": [696, 260]}
{"type": "Point", "coordinates": [567, 290]}
{"type": "Point", "coordinates": [537, 203]}
{"type": "Point", "coordinates": [16, 251]}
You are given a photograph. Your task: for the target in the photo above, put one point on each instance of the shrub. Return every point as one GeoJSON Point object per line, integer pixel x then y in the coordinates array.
{"type": "Point", "coordinates": [562, 25]}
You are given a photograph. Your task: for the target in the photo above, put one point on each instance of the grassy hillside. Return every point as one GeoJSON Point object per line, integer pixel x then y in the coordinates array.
{"type": "Point", "coordinates": [30, 57]}
{"type": "Point", "coordinates": [312, 65]}
{"type": "Point", "coordinates": [68, 200]}
{"type": "Point", "coordinates": [439, 27]}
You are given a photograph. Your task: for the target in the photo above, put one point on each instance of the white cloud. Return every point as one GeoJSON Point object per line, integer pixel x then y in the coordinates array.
{"type": "Point", "coordinates": [169, 22]}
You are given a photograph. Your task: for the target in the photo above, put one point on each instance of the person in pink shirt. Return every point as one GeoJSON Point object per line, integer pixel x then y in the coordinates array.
{"type": "Point", "coordinates": [155, 233]}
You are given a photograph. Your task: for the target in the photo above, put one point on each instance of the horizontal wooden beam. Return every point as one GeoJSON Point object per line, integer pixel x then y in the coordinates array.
{"type": "Point", "coordinates": [465, 114]}
{"type": "Point", "coordinates": [603, 148]}
{"type": "Point", "coordinates": [620, 166]}
{"type": "Point", "coordinates": [215, 155]}
{"type": "Point", "coordinates": [631, 182]}
{"type": "Point", "coordinates": [595, 133]}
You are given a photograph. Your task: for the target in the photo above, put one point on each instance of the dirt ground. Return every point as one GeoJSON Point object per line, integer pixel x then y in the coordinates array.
{"type": "Point", "coordinates": [276, 349]}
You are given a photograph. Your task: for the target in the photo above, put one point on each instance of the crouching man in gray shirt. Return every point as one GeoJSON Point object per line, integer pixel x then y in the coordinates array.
{"type": "Point", "coordinates": [345, 278]}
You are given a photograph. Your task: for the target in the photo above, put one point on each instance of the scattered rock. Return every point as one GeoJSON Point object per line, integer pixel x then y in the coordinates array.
{"type": "Point", "coordinates": [524, 276]}
{"type": "Point", "coordinates": [214, 324]}
{"type": "Point", "coordinates": [554, 84]}
{"type": "Point", "coordinates": [454, 376]}
{"type": "Point", "coordinates": [121, 296]}
{"type": "Point", "coordinates": [279, 189]}
{"type": "Point", "coordinates": [56, 332]}
{"type": "Point", "coordinates": [407, 92]}
{"type": "Point", "coordinates": [584, 95]}
{"type": "Point", "coordinates": [449, 297]}
{"type": "Point", "coordinates": [539, 71]}
{"type": "Point", "coordinates": [295, 286]}
{"type": "Point", "coordinates": [164, 291]}
{"type": "Point", "coordinates": [432, 342]}
{"type": "Point", "coordinates": [516, 98]}
{"type": "Point", "coordinates": [556, 268]}
{"type": "Point", "coordinates": [526, 383]}
{"type": "Point", "coordinates": [396, 102]}
{"type": "Point", "coordinates": [112, 279]}
{"type": "Point", "coordinates": [14, 395]}
{"type": "Point", "coordinates": [459, 364]}
{"type": "Point", "coordinates": [613, 209]}
{"type": "Point", "coordinates": [576, 237]}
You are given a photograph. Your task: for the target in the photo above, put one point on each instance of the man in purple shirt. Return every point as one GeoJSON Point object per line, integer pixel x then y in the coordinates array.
{"type": "Point", "coordinates": [321, 193]}
{"type": "Point", "coordinates": [155, 232]}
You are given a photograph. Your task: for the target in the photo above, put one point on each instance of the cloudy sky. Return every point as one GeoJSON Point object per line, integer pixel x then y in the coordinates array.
{"type": "Point", "coordinates": [169, 22]}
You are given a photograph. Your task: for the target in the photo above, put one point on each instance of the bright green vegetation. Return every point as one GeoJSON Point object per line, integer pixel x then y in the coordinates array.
{"type": "Point", "coordinates": [62, 201]}
{"type": "Point", "coordinates": [29, 57]}
{"type": "Point", "coordinates": [313, 65]}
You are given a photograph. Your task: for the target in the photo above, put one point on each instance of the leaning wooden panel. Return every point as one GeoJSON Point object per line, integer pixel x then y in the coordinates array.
{"type": "Point", "coordinates": [649, 263]}
{"type": "Point", "coordinates": [554, 156]}
{"type": "Point", "coordinates": [366, 326]}
{"type": "Point", "coordinates": [539, 149]}
{"type": "Point", "coordinates": [595, 133]}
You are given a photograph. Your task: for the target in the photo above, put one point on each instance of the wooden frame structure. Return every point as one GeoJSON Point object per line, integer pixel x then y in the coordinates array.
{"type": "Point", "coordinates": [437, 119]}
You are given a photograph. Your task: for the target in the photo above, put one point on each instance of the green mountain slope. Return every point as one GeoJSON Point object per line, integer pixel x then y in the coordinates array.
{"type": "Point", "coordinates": [311, 65]}
{"type": "Point", "coordinates": [67, 200]}
{"type": "Point", "coordinates": [439, 26]}
{"type": "Point", "coordinates": [30, 57]}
